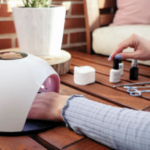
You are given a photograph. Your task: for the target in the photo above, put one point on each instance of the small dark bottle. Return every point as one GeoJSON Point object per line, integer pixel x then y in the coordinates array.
{"type": "Point", "coordinates": [134, 70]}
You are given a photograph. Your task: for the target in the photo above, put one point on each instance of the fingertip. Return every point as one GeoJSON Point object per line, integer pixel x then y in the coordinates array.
{"type": "Point", "coordinates": [109, 58]}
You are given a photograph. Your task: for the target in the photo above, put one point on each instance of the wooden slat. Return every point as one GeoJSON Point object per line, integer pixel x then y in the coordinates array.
{"type": "Point", "coordinates": [148, 109]}
{"type": "Point", "coordinates": [19, 143]}
{"type": "Point", "coordinates": [105, 69]}
{"type": "Point", "coordinates": [106, 19]}
{"type": "Point", "coordinates": [98, 59]}
{"type": "Point", "coordinates": [58, 137]}
{"type": "Point", "coordinates": [66, 90]}
{"type": "Point", "coordinates": [108, 93]}
{"type": "Point", "coordinates": [92, 13]}
{"type": "Point", "coordinates": [87, 144]}
{"type": "Point", "coordinates": [103, 79]}
{"type": "Point", "coordinates": [106, 3]}
{"type": "Point", "coordinates": [92, 21]}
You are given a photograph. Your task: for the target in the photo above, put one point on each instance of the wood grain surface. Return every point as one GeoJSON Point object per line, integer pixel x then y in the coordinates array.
{"type": "Point", "coordinates": [104, 80]}
{"type": "Point", "coordinates": [87, 144]}
{"type": "Point", "coordinates": [105, 69]}
{"type": "Point", "coordinates": [66, 90]}
{"type": "Point", "coordinates": [58, 137]}
{"type": "Point", "coordinates": [103, 60]}
{"type": "Point", "coordinates": [108, 93]}
{"type": "Point", "coordinates": [148, 109]}
{"type": "Point", "coordinates": [101, 91]}
{"type": "Point", "coordinates": [19, 143]}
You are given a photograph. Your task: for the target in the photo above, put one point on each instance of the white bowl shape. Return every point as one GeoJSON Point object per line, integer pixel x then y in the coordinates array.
{"type": "Point", "coordinates": [20, 81]}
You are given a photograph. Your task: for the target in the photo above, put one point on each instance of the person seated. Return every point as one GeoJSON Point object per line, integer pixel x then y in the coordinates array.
{"type": "Point", "coordinates": [118, 128]}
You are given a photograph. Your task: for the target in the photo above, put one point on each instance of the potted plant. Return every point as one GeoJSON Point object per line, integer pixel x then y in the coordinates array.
{"type": "Point", "coordinates": [39, 27]}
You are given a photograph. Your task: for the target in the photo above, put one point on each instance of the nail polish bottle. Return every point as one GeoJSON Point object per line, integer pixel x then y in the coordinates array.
{"type": "Point", "coordinates": [134, 70]}
{"type": "Point", "coordinates": [121, 65]}
{"type": "Point", "coordinates": [115, 72]}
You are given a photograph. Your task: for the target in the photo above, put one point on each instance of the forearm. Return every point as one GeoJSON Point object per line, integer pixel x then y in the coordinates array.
{"type": "Point", "coordinates": [115, 127]}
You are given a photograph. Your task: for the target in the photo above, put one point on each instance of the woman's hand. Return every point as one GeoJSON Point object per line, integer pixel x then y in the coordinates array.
{"type": "Point", "coordinates": [48, 106]}
{"type": "Point", "coordinates": [141, 49]}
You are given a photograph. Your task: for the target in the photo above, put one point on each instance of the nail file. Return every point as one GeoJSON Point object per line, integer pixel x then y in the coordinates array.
{"type": "Point", "coordinates": [84, 75]}
{"type": "Point", "coordinates": [134, 87]}
{"type": "Point", "coordinates": [130, 84]}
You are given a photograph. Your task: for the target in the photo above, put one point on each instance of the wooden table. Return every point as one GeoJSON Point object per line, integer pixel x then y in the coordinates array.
{"type": "Point", "coordinates": [102, 91]}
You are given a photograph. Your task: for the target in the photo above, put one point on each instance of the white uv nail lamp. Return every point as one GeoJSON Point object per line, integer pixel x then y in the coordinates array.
{"type": "Point", "coordinates": [22, 76]}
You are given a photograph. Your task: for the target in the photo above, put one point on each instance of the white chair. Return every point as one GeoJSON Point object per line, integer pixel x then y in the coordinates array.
{"type": "Point", "coordinates": [103, 39]}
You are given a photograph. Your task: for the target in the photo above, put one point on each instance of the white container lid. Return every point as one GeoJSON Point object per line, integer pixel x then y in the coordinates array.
{"type": "Point", "coordinates": [84, 75]}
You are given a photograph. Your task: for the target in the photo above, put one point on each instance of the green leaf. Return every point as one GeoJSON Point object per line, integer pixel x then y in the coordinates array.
{"type": "Point", "coordinates": [37, 3]}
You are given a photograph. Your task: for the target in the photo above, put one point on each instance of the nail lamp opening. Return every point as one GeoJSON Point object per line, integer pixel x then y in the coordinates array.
{"type": "Point", "coordinates": [22, 76]}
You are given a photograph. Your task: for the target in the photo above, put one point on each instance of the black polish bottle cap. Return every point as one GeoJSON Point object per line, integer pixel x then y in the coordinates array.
{"type": "Point", "coordinates": [120, 61]}
{"type": "Point", "coordinates": [116, 64]}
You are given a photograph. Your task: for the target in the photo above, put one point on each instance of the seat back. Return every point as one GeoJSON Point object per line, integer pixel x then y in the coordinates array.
{"type": "Point", "coordinates": [97, 13]}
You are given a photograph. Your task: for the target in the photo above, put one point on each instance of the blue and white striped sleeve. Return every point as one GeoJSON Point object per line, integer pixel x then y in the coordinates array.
{"type": "Point", "coordinates": [118, 128]}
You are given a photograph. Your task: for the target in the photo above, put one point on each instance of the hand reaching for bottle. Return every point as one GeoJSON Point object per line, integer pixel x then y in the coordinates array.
{"type": "Point", "coordinates": [141, 49]}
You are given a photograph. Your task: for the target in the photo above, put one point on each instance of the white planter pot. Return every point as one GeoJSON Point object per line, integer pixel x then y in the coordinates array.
{"type": "Point", "coordinates": [40, 30]}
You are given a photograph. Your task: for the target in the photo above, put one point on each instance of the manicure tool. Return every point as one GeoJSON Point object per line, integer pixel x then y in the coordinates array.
{"type": "Point", "coordinates": [135, 92]}
{"type": "Point", "coordinates": [130, 84]}
{"type": "Point", "coordinates": [136, 87]}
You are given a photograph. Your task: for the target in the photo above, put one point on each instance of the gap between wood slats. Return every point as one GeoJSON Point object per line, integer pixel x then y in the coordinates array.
{"type": "Point", "coordinates": [44, 144]}
{"type": "Point", "coordinates": [19, 143]}
{"type": "Point", "coordinates": [107, 83]}
{"type": "Point", "coordinates": [147, 109]}
{"type": "Point", "coordinates": [105, 71]}
{"type": "Point", "coordinates": [88, 144]}
{"type": "Point", "coordinates": [106, 3]}
{"type": "Point", "coordinates": [58, 138]}
{"type": "Point", "coordinates": [67, 90]}
{"type": "Point", "coordinates": [102, 97]}
{"type": "Point", "coordinates": [82, 63]}
{"type": "Point", "coordinates": [72, 144]}
{"type": "Point", "coordinates": [94, 89]}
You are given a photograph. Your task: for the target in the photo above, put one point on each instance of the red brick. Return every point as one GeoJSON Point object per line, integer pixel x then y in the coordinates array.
{"type": "Point", "coordinates": [77, 48]}
{"type": "Point", "coordinates": [77, 9]}
{"type": "Point", "coordinates": [77, 37]}
{"type": "Point", "coordinates": [65, 37]}
{"type": "Point", "coordinates": [5, 10]}
{"type": "Point", "coordinates": [7, 27]}
{"type": "Point", "coordinates": [71, 23]}
{"type": "Point", "coordinates": [5, 43]}
{"type": "Point", "coordinates": [67, 8]}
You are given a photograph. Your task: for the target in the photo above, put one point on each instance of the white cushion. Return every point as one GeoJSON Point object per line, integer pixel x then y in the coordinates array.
{"type": "Point", "coordinates": [106, 39]}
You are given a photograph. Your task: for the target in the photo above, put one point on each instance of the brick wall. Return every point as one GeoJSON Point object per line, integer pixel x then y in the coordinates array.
{"type": "Point", "coordinates": [74, 34]}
